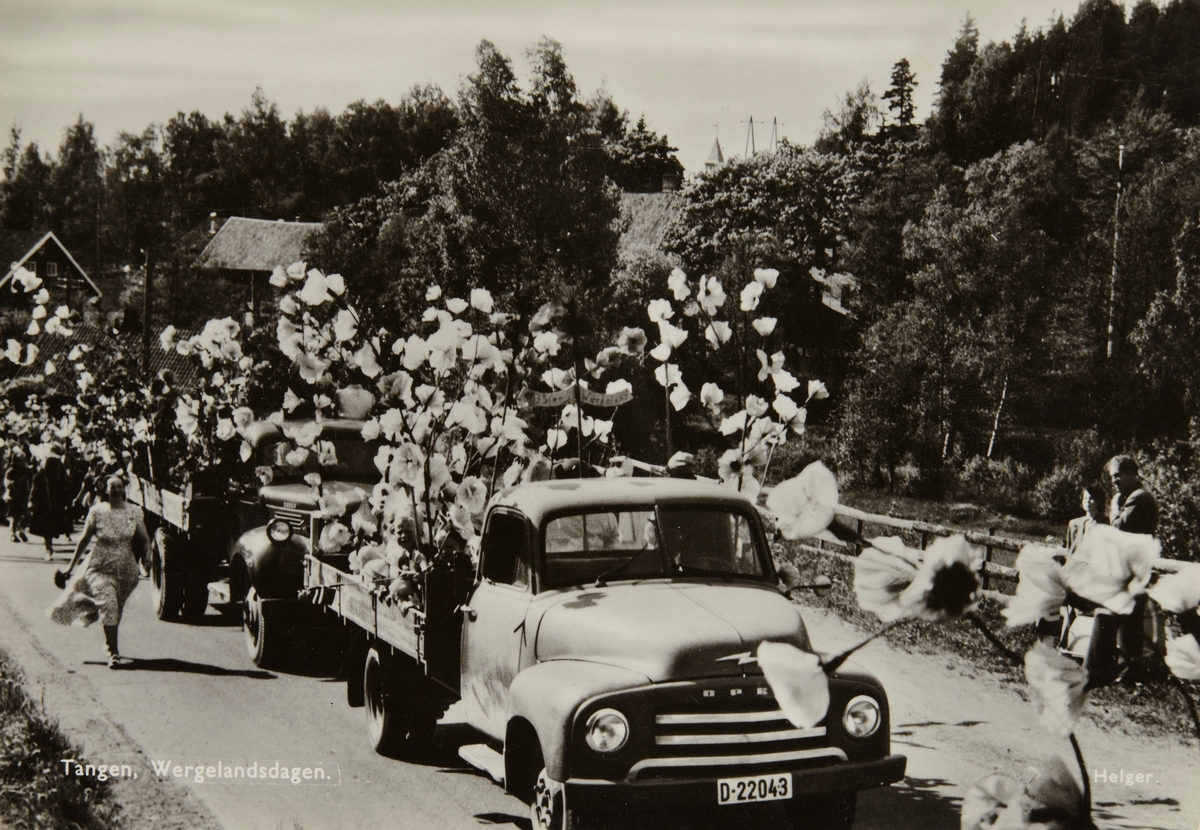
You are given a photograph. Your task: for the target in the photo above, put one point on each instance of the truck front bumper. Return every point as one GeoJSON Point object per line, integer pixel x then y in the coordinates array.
{"type": "Point", "coordinates": [592, 794]}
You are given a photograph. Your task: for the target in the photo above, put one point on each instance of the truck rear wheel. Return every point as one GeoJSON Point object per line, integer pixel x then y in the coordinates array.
{"type": "Point", "coordinates": [827, 812]}
{"type": "Point", "coordinates": [401, 713]}
{"type": "Point", "coordinates": [166, 577]}
{"type": "Point", "coordinates": [266, 633]}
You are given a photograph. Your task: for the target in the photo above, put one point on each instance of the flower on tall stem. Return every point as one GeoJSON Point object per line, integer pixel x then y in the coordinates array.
{"type": "Point", "coordinates": [1112, 567]}
{"type": "Point", "coordinates": [1041, 586]}
{"type": "Point", "coordinates": [804, 505]}
{"type": "Point", "coordinates": [938, 584]}
{"type": "Point", "coordinates": [1061, 687]}
{"type": "Point", "coordinates": [798, 680]}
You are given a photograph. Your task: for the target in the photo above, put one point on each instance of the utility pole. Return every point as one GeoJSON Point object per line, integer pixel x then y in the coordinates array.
{"type": "Point", "coordinates": [146, 316]}
{"type": "Point", "coordinates": [750, 149]}
{"type": "Point", "coordinates": [1112, 283]}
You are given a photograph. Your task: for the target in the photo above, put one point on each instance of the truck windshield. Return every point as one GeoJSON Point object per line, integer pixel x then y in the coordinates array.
{"type": "Point", "coordinates": [637, 544]}
{"type": "Point", "coordinates": [355, 460]}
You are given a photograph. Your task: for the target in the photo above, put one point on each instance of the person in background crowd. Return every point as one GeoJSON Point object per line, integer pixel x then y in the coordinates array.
{"type": "Point", "coordinates": [1093, 514]}
{"type": "Point", "coordinates": [17, 476]}
{"type": "Point", "coordinates": [1133, 509]}
{"type": "Point", "coordinates": [1051, 629]}
{"type": "Point", "coordinates": [111, 572]}
{"type": "Point", "coordinates": [49, 502]}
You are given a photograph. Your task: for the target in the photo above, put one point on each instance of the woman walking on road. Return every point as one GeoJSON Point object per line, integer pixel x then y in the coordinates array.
{"type": "Point", "coordinates": [49, 502]}
{"type": "Point", "coordinates": [111, 572]}
{"type": "Point", "coordinates": [16, 491]}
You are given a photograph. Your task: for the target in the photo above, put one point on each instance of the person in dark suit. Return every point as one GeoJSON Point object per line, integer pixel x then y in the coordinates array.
{"type": "Point", "coordinates": [1134, 508]}
{"type": "Point", "coordinates": [1093, 514]}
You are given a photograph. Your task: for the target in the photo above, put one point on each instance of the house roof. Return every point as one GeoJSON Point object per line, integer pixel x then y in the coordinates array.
{"type": "Point", "coordinates": [55, 348]}
{"type": "Point", "coordinates": [16, 247]}
{"type": "Point", "coordinates": [256, 244]}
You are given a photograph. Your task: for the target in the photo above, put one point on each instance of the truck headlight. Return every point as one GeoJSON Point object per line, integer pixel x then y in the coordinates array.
{"type": "Point", "coordinates": [607, 730]}
{"type": "Point", "coordinates": [861, 718]}
{"type": "Point", "coordinates": [279, 531]}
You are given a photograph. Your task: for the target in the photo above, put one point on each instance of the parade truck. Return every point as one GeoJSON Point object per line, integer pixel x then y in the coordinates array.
{"type": "Point", "coordinates": [604, 653]}
{"type": "Point", "coordinates": [209, 538]}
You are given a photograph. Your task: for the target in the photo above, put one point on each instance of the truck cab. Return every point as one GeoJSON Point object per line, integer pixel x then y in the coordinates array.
{"type": "Point", "coordinates": [266, 561]}
{"type": "Point", "coordinates": [608, 657]}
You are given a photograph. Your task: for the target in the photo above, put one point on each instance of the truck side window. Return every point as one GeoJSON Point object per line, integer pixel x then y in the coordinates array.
{"type": "Point", "coordinates": [506, 550]}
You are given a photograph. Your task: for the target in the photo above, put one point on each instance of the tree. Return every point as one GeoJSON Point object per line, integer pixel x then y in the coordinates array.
{"type": "Point", "coordinates": [900, 94]}
{"type": "Point", "coordinates": [857, 117]}
{"type": "Point", "coordinates": [640, 159]}
{"type": "Point", "coordinates": [76, 188]}
{"type": "Point", "coordinates": [26, 202]}
{"type": "Point", "coordinates": [518, 203]}
{"type": "Point", "coordinates": [945, 125]}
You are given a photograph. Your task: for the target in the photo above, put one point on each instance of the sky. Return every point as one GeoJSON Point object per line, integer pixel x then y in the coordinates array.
{"type": "Point", "coordinates": [696, 70]}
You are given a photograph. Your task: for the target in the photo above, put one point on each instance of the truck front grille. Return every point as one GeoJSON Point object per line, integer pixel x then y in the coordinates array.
{"type": "Point", "coordinates": [698, 744]}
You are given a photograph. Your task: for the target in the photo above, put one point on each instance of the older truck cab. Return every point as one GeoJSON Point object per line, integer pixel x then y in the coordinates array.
{"type": "Point", "coordinates": [608, 660]}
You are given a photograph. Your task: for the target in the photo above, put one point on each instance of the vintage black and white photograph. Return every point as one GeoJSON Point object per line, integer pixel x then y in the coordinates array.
{"type": "Point", "coordinates": [441, 414]}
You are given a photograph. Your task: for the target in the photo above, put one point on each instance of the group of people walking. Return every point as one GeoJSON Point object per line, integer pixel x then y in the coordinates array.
{"type": "Point", "coordinates": [44, 493]}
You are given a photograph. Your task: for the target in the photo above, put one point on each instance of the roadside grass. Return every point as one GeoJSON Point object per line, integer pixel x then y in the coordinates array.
{"type": "Point", "coordinates": [1139, 709]}
{"type": "Point", "coordinates": [34, 791]}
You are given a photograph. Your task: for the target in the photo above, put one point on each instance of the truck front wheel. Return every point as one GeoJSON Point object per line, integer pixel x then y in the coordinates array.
{"type": "Point", "coordinates": [401, 713]}
{"type": "Point", "coordinates": [826, 812]}
{"type": "Point", "coordinates": [265, 633]}
{"type": "Point", "coordinates": [549, 810]}
{"type": "Point", "coordinates": [166, 576]}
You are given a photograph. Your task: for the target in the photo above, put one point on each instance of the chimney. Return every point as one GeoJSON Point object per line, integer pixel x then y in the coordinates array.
{"type": "Point", "coordinates": [212, 223]}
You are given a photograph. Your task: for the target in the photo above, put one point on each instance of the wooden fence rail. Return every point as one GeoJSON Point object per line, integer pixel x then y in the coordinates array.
{"type": "Point", "coordinates": [925, 531]}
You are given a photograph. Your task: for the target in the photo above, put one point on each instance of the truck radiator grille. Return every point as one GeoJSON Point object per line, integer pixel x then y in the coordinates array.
{"type": "Point", "coordinates": [694, 744]}
{"type": "Point", "coordinates": [297, 519]}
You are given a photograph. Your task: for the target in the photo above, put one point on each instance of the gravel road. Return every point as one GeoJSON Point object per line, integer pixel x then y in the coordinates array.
{"type": "Point", "coordinates": [192, 697]}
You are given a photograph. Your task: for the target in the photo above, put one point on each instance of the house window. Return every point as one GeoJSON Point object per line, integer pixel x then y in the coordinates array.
{"type": "Point", "coordinates": [51, 269]}
{"type": "Point", "coordinates": [31, 266]}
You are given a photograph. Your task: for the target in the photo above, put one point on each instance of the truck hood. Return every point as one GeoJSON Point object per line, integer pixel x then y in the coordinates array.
{"type": "Point", "coordinates": [670, 630]}
{"type": "Point", "coordinates": [300, 496]}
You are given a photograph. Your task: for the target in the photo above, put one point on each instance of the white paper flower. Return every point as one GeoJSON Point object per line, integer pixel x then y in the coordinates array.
{"type": "Point", "coordinates": [315, 291]}
{"type": "Point", "coordinates": [717, 332]}
{"type": "Point", "coordinates": [279, 277]}
{"type": "Point", "coordinates": [1061, 687]}
{"type": "Point", "coordinates": [711, 395]}
{"type": "Point", "coordinates": [659, 310]}
{"type": "Point", "coordinates": [804, 505]}
{"type": "Point", "coordinates": [750, 296]}
{"type": "Point", "coordinates": [1178, 592]}
{"type": "Point", "coordinates": [800, 685]}
{"type": "Point", "coordinates": [766, 276]}
{"type": "Point", "coordinates": [1183, 657]}
{"type": "Point", "coordinates": [680, 397]}
{"type": "Point", "coordinates": [1111, 567]}
{"type": "Point", "coordinates": [481, 300]}
{"type": "Point", "coordinates": [817, 391]}
{"type": "Point", "coordinates": [345, 325]}
{"type": "Point", "coordinates": [677, 282]}
{"type": "Point", "coordinates": [764, 325]}
{"type": "Point", "coordinates": [1041, 586]}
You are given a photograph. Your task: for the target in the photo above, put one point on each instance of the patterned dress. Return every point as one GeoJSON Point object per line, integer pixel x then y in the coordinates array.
{"type": "Point", "coordinates": [110, 573]}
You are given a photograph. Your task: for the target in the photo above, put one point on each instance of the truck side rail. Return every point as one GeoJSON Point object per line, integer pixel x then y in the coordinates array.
{"type": "Point", "coordinates": [354, 601]}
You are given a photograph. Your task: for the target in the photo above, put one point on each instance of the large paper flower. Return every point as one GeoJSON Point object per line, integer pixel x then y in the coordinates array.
{"type": "Point", "coordinates": [1183, 657]}
{"type": "Point", "coordinates": [1178, 592]}
{"type": "Point", "coordinates": [946, 584]}
{"type": "Point", "coordinates": [1041, 586]}
{"type": "Point", "coordinates": [1061, 687]}
{"type": "Point", "coordinates": [800, 685]}
{"type": "Point", "coordinates": [804, 505]}
{"type": "Point", "coordinates": [1111, 567]}
{"type": "Point", "coordinates": [994, 801]}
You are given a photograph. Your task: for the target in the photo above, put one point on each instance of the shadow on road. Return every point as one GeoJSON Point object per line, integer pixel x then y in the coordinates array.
{"type": "Point", "coordinates": [173, 664]}
{"type": "Point", "coordinates": [917, 800]}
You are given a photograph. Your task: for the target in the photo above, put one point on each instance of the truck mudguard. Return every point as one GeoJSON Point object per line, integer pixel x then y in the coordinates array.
{"type": "Point", "coordinates": [548, 695]}
{"type": "Point", "coordinates": [276, 570]}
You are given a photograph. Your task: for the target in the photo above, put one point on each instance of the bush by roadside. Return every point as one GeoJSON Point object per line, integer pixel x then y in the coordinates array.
{"type": "Point", "coordinates": [34, 791]}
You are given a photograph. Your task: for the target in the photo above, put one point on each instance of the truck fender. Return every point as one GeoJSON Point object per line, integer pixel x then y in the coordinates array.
{"type": "Point", "coordinates": [547, 696]}
{"type": "Point", "coordinates": [276, 570]}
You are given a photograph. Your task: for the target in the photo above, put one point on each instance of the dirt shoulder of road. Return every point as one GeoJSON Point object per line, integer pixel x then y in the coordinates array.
{"type": "Point", "coordinates": [144, 801]}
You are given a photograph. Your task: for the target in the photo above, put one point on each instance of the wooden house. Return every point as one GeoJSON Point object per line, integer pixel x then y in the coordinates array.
{"type": "Point", "coordinates": [43, 254]}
